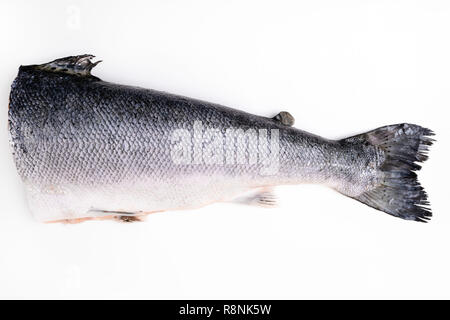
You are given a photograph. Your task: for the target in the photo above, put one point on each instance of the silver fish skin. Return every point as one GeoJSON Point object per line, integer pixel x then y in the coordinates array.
{"type": "Point", "coordinates": [87, 149]}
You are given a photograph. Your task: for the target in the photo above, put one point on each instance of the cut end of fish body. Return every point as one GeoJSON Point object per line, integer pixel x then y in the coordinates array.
{"type": "Point", "coordinates": [80, 65]}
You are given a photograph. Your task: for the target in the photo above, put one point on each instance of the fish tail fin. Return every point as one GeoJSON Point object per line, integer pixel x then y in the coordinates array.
{"type": "Point", "coordinates": [399, 193]}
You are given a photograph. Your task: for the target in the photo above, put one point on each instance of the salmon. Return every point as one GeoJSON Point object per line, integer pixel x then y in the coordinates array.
{"type": "Point", "coordinates": [89, 149]}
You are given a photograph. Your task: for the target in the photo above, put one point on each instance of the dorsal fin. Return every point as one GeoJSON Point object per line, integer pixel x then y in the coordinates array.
{"type": "Point", "coordinates": [285, 118]}
{"type": "Point", "coordinates": [80, 65]}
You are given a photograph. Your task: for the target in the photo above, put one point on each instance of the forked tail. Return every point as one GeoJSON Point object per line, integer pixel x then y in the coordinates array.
{"type": "Point", "coordinates": [399, 193]}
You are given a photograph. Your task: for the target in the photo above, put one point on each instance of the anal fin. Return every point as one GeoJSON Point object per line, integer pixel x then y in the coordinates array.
{"type": "Point", "coordinates": [261, 198]}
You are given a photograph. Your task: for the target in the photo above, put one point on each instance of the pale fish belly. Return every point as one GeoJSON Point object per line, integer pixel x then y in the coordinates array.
{"type": "Point", "coordinates": [69, 202]}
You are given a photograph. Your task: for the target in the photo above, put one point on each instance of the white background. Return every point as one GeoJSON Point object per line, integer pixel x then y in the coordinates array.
{"type": "Point", "coordinates": [340, 67]}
